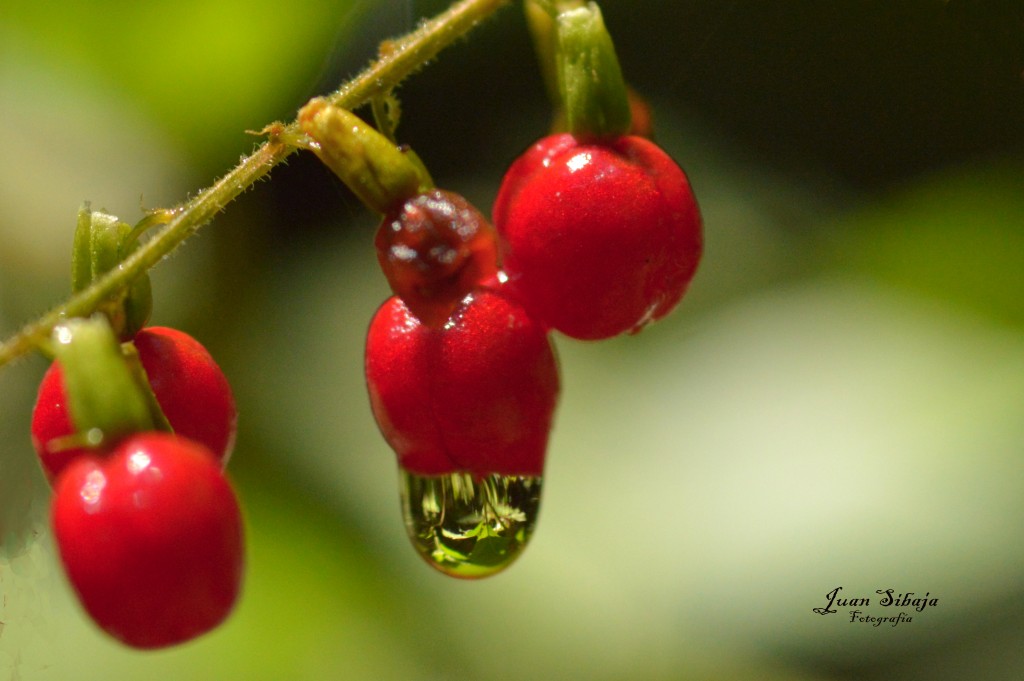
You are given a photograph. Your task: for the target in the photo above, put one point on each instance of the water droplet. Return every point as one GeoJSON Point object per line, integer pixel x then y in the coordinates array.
{"type": "Point", "coordinates": [469, 527]}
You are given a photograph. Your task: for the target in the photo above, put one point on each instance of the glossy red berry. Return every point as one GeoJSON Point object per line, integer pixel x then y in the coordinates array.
{"type": "Point", "coordinates": [598, 238]}
{"type": "Point", "coordinates": [477, 395]}
{"type": "Point", "coordinates": [52, 430]}
{"type": "Point", "coordinates": [191, 389]}
{"type": "Point", "coordinates": [151, 539]}
{"type": "Point", "coordinates": [434, 249]}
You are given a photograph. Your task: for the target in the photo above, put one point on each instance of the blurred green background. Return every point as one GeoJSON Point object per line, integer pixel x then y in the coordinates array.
{"type": "Point", "coordinates": [838, 402]}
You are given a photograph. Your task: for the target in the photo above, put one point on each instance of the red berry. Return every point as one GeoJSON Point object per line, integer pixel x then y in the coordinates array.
{"type": "Point", "coordinates": [151, 539]}
{"type": "Point", "coordinates": [477, 395]}
{"type": "Point", "coordinates": [51, 425]}
{"type": "Point", "coordinates": [192, 390]}
{"type": "Point", "coordinates": [597, 238]}
{"type": "Point", "coordinates": [434, 249]}
{"type": "Point", "coordinates": [189, 386]}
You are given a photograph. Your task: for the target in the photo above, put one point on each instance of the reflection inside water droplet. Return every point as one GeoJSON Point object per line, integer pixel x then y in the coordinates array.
{"type": "Point", "coordinates": [469, 527]}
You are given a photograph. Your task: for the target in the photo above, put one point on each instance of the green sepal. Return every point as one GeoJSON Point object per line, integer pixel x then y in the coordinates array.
{"type": "Point", "coordinates": [81, 257]}
{"type": "Point", "coordinates": [101, 243]}
{"type": "Point", "coordinates": [590, 79]}
{"type": "Point", "coordinates": [105, 399]}
{"type": "Point", "coordinates": [377, 171]}
{"type": "Point", "coordinates": [138, 372]}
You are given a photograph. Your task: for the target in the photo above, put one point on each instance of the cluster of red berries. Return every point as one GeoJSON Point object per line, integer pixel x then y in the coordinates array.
{"type": "Point", "coordinates": [593, 238]}
{"type": "Point", "coordinates": [595, 233]}
{"type": "Point", "coordinates": [148, 528]}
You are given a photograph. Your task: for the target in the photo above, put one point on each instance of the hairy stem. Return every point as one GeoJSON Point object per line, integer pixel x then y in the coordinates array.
{"type": "Point", "coordinates": [398, 59]}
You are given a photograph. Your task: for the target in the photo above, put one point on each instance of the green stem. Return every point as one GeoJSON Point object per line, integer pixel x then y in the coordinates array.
{"type": "Point", "coordinates": [399, 59]}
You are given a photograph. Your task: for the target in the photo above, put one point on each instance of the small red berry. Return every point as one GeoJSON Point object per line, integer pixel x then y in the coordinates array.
{"type": "Point", "coordinates": [477, 395]}
{"type": "Point", "coordinates": [598, 238]}
{"type": "Point", "coordinates": [151, 539]}
{"type": "Point", "coordinates": [434, 249]}
{"type": "Point", "coordinates": [191, 389]}
{"type": "Point", "coordinates": [52, 428]}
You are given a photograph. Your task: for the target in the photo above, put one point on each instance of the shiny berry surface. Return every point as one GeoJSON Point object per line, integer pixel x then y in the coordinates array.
{"type": "Point", "coordinates": [189, 386]}
{"type": "Point", "coordinates": [192, 390]}
{"type": "Point", "coordinates": [52, 430]}
{"type": "Point", "coordinates": [434, 249]}
{"type": "Point", "coordinates": [598, 239]}
{"type": "Point", "coordinates": [477, 395]}
{"type": "Point", "coordinates": [151, 539]}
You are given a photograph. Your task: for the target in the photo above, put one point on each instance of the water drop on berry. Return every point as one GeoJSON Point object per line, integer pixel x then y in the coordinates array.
{"type": "Point", "coordinates": [469, 527]}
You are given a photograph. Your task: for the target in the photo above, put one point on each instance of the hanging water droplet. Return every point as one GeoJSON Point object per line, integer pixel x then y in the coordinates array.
{"type": "Point", "coordinates": [469, 527]}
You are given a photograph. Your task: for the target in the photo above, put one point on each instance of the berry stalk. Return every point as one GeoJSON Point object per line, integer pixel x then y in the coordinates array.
{"type": "Point", "coordinates": [399, 59]}
{"type": "Point", "coordinates": [590, 80]}
{"type": "Point", "coordinates": [104, 396]}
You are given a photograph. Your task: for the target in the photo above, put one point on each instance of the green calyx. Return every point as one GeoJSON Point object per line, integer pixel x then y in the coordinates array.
{"type": "Point", "coordinates": [590, 80]}
{"type": "Point", "coordinates": [108, 394]}
{"type": "Point", "coordinates": [101, 243]}
{"type": "Point", "coordinates": [382, 174]}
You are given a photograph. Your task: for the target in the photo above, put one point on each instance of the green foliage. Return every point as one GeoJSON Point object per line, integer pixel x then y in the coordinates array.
{"type": "Point", "coordinates": [956, 237]}
{"type": "Point", "coordinates": [206, 70]}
